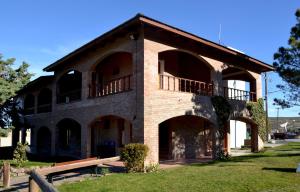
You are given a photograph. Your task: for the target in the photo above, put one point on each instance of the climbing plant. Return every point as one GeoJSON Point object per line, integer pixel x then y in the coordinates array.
{"type": "Point", "coordinates": [223, 111]}
{"type": "Point", "coordinates": [258, 114]}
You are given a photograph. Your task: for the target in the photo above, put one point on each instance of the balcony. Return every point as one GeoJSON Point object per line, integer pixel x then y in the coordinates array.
{"type": "Point", "coordinates": [241, 95]}
{"type": "Point", "coordinates": [177, 84]}
{"type": "Point", "coordinates": [69, 96]}
{"type": "Point", "coordinates": [114, 86]}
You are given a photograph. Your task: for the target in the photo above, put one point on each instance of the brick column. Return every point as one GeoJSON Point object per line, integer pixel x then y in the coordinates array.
{"type": "Point", "coordinates": [85, 85]}
{"type": "Point", "coordinates": [85, 140]}
{"type": "Point", "coordinates": [53, 139]}
{"type": "Point", "coordinates": [254, 138]}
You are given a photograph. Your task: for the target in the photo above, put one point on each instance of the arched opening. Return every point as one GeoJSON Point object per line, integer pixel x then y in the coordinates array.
{"type": "Point", "coordinates": [109, 134]}
{"type": "Point", "coordinates": [44, 101]}
{"type": "Point", "coordinates": [68, 138]}
{"type": "Point", "coordinates": [69, 87]}
{"type": "Point", "coordinates": [112, 75]}
{"type": "Point", "coordinates": [184, 72]}
{"type": "Point", "coordinates": [242, 133]}
{"type": "Point", "coordinates": [29, 104]}
{"type": "Point", "coordinates": [185, 137]}
{"type": "Point", "coordinates": [239, 84]}
{"type": "Point", "coordinates": [44, 141]}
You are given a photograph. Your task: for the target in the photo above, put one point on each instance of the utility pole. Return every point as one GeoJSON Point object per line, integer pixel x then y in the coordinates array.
{"type": "Point", "coordinates": [277, 117]}
{"type": "Point", "coordinates": [266, 103]}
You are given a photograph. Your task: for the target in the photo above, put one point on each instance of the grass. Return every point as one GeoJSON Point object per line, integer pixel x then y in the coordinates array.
{"type": "Point", "coordinates": [272, 170]}
{"type": "Point", "coordinates": [28, 164]}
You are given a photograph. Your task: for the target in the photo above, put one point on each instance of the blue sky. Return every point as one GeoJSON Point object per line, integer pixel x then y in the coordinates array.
{"type": "Point", "coordinates": [40, 32]}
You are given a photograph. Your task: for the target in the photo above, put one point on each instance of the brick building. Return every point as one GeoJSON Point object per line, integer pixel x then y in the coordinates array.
{"type": "Point", "coordinates": [143, 81]}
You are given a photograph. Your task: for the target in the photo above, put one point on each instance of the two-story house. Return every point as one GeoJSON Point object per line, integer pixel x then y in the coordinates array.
{"type": "Point", "coordinates": [143, 81]}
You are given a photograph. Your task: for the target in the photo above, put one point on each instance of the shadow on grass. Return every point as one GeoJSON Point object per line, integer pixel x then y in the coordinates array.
{"type": "Point", "coordinates": [248, 158]}
{"type": "Point", "coordinates": [286, 170]}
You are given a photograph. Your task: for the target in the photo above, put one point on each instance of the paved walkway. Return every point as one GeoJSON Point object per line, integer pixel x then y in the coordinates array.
{"type": "Point", "coordinates": [21, 183]}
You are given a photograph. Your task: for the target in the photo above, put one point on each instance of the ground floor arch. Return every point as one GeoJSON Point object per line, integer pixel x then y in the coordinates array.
{"type": "Point", "coordinates": [236, 128]}
{"type": "Point", "coordinates": [185, 137]}
{"type": "Point", "coordinates": [43, 144]}
{"type": "Point", "coordinates": [68, 136]}
{"type": "Point", "coordinates": [109, 134]}
{"type": "Point", "coordinates": [44, 141]}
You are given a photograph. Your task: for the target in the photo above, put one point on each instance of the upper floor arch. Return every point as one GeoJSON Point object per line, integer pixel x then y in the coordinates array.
{"type": "Point", "coordinates": [44, 101]}
{"type": "Point", "coordinates": [68, 86]}
{"type": "Point", "coordinates": [239, 84]}
{"type": "Point", "coordinates": [29, 103]}
{"type": "Point", "coordinates": [233, 73]}
{"type": "Point", "coordinates": [185, 64]}
{"type": "Point", "coordinates": [112, 74]}
{"type": "Point", "coordinates": [184, 71]}
{"type": "Point", "coordinates": [108, 55]}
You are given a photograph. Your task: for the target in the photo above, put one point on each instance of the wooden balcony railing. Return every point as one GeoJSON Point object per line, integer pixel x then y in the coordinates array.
{"type": "Point", "coordinates": [236, 94]}
{"type": "Point", "coordinates": [69, 96]}
{"type": "Point", "coordinates": [179, 84]}
{"type": "Point", "coordinates": [114, 86]}
{"type": "Point", "coordinates": [171, 83]}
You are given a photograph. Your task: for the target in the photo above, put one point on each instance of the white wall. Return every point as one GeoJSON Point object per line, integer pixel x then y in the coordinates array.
{"type": "Point", "coordinates": [238, 134]}
{"type": "Point", "coordinates": [238, 129]}
{"type": "Point", "coordinates": [6, 141]}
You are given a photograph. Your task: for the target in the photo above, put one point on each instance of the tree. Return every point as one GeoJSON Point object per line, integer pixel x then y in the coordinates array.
{"type": "Point", "coordinates": [287, 64]}
{"type": "Point", "coordinates": [11, 80]}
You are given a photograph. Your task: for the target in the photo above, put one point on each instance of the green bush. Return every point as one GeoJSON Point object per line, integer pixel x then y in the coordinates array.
{"type": "Point", "coordinates": [20, 156]}
{"type": "Point", "coordinates": [134, 155]}
{"type": "Point", "coordinates": [152, 167]}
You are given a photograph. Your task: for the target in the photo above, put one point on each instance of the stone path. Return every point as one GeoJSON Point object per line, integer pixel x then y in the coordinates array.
{"type": "Point", "coordinates": [21, 183]}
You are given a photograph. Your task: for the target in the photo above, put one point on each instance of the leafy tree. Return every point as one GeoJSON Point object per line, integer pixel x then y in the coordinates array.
{"type": "Point", "coordinates": [11, 80]}
{"type": "Point", "coordinates": [287, 64]}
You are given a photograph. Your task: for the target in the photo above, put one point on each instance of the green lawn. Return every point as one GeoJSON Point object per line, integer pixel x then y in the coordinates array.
{"type": "Point", "coordinates": [273, 170]}
{"type": "Point", "coordinates": [29, 164]}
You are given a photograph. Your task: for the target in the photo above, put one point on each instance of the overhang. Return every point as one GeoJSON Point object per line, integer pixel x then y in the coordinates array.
{"type": "Point", "coordinates": [164, 32]}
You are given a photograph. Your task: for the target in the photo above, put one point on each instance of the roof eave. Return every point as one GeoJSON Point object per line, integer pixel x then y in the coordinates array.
{"type": "Point", "coordinates": [141, 18]}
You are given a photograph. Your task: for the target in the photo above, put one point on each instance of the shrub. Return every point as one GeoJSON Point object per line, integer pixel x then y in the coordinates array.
{"type": "Point", "coordinates": [152, 167]}
{"type": "Point", "coordinates": [20, 156]}
{"type": "Point", "coordinates": [134, 155]}
{"type": "Point", "coordinates": [221, 155]}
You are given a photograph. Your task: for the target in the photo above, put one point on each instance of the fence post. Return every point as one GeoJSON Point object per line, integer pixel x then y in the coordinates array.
{"type": "Point", "coordinates": [6, 175]}
{"type": "Point", "coordinates": [33, 187]}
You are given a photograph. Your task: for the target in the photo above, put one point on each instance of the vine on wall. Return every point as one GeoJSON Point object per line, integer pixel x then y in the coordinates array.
{"type": "Point", "coordinates": [223, 111]}
{"type": "Point", "coordinates": [258, 114]}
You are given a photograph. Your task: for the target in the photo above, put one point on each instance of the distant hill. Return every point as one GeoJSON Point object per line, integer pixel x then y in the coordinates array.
{"type": "Point", "coordinates": [293, 122]}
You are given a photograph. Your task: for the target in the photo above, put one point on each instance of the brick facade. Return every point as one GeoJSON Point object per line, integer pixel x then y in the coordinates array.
{"type": "Point", "coordinates": [145, 106]}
